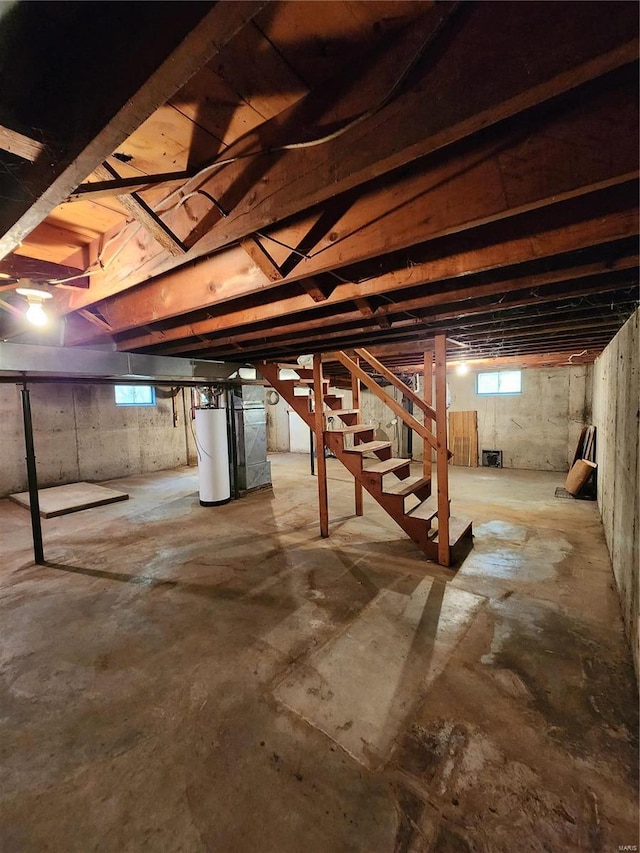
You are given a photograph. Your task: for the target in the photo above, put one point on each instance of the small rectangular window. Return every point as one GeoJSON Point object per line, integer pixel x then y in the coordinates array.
{"type": "Point", "coordinates": [499, 382]}
{"type": "Point", "coordinates": [135, 395]}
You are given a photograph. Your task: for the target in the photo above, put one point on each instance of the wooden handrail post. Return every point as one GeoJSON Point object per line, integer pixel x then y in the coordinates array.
{"type": "Point", "coordinates": [390, 376]}
{"type": "Point", "coordinates": [355, 403]}
{"type": "Point", "coordinates": [428, 398]}
{"type": "Point", "coordinates": [388, 400]}
{"type": "Point", "coordinates": [323, 502]}
{"type": "Point", "coordinates": [444, 551]}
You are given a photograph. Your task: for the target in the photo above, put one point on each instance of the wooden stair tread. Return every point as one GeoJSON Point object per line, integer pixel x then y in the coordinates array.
{"type": "Point", "coordinates": [368, 447]}
{"type": "Point", "coordinates": [458, 527]}
{"type": "Point", "coordinates": [351, 429]}
{"type": "Point", "coordinates": [407, 487]}
{"type": "Point", "coordinates": [426, 511]}
{"type": "Point", "coordinates": [420, 522]}
{"type": "Point", "coordinates": [387, 466]}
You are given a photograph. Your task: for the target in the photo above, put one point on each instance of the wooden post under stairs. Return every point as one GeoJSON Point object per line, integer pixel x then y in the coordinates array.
{"type": "Point", "coordinates": [318, 396]}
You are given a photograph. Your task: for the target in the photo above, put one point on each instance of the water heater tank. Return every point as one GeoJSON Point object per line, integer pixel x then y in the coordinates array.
{"type": "Point", "coordinates": [213, 456]}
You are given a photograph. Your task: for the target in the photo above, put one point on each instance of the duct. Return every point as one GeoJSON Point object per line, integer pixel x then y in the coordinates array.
{"type": "Point", "coordinates": [30, 361]}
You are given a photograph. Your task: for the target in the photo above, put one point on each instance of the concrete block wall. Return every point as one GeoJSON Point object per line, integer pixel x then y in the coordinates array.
{"type": "Point", "coordinates": [616, 410]}
{"type": "Point", "coordinates": [80, 434]}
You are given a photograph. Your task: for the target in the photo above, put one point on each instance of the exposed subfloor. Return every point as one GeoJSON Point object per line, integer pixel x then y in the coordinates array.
{"type": "Point", "coordinates": [182, 678]}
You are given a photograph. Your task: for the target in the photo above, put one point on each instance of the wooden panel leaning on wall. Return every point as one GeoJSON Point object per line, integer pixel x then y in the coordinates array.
{"type": "Point", "coordinates": [463, 438]}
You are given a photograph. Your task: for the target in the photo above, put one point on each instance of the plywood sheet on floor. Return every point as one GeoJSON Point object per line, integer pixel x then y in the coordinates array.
{"type": "Point", "coordinates": [61, 500]}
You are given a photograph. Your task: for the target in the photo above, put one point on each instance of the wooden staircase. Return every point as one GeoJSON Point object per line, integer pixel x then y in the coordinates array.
{"type": "Point", "coordinates": [406, 498]}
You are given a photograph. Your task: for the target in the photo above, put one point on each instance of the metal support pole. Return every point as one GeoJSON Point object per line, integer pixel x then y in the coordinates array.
{"type": "Point", "coordinates": [323, 502]}
{"type": "Point", "coordinates": [232, 439]}
{"type": "Point", "coordinates": [355, 403]}
{"type": "Point", "coordinates": [32, 477]}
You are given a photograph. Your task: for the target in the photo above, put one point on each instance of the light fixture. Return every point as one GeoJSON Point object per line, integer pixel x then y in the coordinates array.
{"type": "Point", "coordinates": [462, 369]}
{"type": "Point", "coordinates": [35, 313]}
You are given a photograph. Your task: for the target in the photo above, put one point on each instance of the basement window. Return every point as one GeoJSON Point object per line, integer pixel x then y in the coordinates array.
{"type": "Point", "coordinates": [499, 382]}
{"type": "Point", "coordinates": [135, 395]}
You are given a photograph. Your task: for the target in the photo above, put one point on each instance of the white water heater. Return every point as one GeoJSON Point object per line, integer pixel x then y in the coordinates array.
{"type": "Point", "coordinates": [213, 456]}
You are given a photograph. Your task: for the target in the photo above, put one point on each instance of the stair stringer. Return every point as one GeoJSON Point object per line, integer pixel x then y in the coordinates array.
{"type": "Point", "coordinates": [393, 505]}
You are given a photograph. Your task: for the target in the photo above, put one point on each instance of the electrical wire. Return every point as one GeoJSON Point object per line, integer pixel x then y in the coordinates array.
{"type": "Point", "coordinates": [321, 140]}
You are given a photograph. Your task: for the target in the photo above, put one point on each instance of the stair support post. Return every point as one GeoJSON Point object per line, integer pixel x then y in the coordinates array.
{"type": "Point", "coordinates": [355, 403]}
{"type": "Point", "coordinates": [428, 398]}
{"type": "Point", "coordinates": [323, 501]}
{"type": "Point", "coordinates": [442, 464]}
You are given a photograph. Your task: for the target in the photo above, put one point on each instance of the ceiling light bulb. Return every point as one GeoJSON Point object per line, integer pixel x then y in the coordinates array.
{"type": "Point", "coordinates": [462, 369]}
{"type": "Point", "coordinates": [36, 314]}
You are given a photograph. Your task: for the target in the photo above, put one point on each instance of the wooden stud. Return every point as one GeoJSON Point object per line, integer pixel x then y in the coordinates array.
{"type": "Point", "coordinates": [428, 398]}
{"type": "Point", "coordinates": [101, 324]}
{"type": "Point", "coordinates": [120, 186]}
{"type": "Point", "coordinates": [313, 289]}
{"type": "Point", "coordinates": [394, 380]}
{"type": "Point", "coordinates": [444, 551]}
{"type": "Point", "coordinates": [387, 399]}
{"type": "Point", "coordinates": [19, 144]}
{"type": "Point", "coordinates": [364, 307]}
{"type": "Point", "coordinates": [318, 393]}
{"type": "Point", "coordinates": [145, 215]}
{"type": "Point", "coordinates": [261, 258]}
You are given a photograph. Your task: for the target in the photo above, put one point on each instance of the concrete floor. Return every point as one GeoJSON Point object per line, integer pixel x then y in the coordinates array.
{"type": "Point", "coordinates": [188, 679]}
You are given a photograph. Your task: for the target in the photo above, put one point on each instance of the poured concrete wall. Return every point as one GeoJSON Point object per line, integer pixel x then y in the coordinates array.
{"type": "Point", "coordinates": [80, 434]}
{"type": "Point", "coordinates": [616, 408]}
{"type": "Point", "coordinates": [537, 429]}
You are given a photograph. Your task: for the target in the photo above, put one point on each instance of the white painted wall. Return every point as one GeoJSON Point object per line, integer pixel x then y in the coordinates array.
{"type": "Point", "coordinates": [278, 425]}
{"type": "Point", "coordinates": [616, 410]}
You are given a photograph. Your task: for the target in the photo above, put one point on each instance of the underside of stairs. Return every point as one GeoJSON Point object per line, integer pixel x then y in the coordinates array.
{"type": "Point", "coordinates": [406, 498]}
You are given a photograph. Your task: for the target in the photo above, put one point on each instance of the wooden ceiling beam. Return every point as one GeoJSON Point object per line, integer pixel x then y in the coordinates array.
{"type": "Point", "coordinates": [482, 314]}
{"type": "Point", "coordinates": [551, 359]}
{"type": "Point", "coordinates": [247, 336]}
{"type": "Point", "coordinates": [479, 186]}
{"type": "Point", "coordinates": [163, 300]}
{"type": "Point", "coordinates": [412, 348]}
{"type": "Point", "coordinates": [54, 182]}
{"type": "Point", "coordinates": [19, 266]}
{"type": "Point", "coordinates": [549, 323]}
{"type": "Point", "coordinates": [575, 53]}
